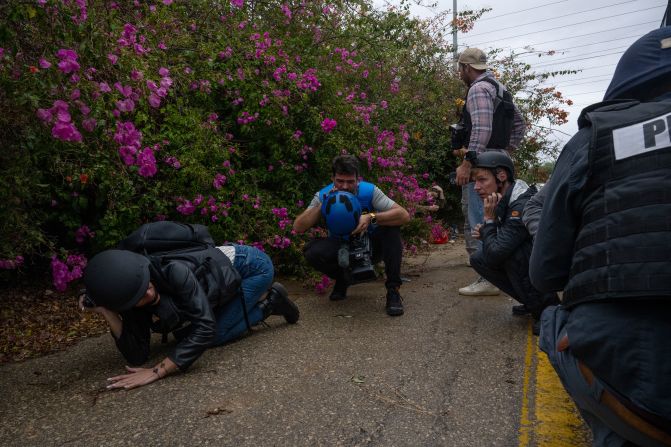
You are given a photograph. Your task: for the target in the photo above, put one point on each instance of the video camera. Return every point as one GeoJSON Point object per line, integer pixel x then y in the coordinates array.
{"type": "Point", "coordinates": [341, 210]}
{"type": "Point", "coordinates": [458, 136]}
{"type": "Point", "coordinates": [355, 255]}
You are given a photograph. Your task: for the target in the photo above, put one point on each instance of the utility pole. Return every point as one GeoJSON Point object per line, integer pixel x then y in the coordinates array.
{"type": "Point", "coordinates": [455, 46]}
{"type": "Point", "coordinates": [666, 21]}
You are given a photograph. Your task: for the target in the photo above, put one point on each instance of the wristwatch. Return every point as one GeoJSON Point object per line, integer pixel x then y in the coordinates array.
{"type": "Point", "coordinates": [373, 219]}
{"type": "Point", "coordinates": [471, 156]}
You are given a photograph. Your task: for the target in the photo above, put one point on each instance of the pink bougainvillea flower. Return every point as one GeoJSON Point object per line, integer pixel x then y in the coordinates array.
{"type": "Point", "coordinates": [127, 135]}
{"type": "Point", "coordinates": [167, 2]}
{"type": "Point", "coordinates": [68, 271]}
{"type": "Point", "coordinates": [113, 58]}
{"type": "Point", "coordinates": [89, 124]}
{"type": "Point", "coordinates": [66, 131]}
{"type": "Point", "coordinates": [166, 82]}
{"type": "Point", "coordinates": [125, 90]}
{"type": "Point", "coordinates": [163, 71]}
{"type": "Point", "coordinates": [154, 100]}
{"type": "Point", "coordinates": [68, 60]}
{"type": "Point", "coordinates": [172, 161]}
{"type": "Point", "coordinates": [125, 105]}
{"type": "Point", "coordinates": [286, 11]}
{"type": "Point", "coordinates": [328, 125]}
{"type": "Point", "coordinates": [83, 233]}
{"type": "Point", "coordinates": [44, 63]}
{"type": "Point", "coordinates": [104, 87]}
{"type": "Point", "coordinates": [237, 3]}
{"type": "Point", "coordinates": [127, 154]}
{"type": "Point", "coordinates": [147, 162]}
{"type": "Point", "coordinates": [44, 115]}
{"type": "Point", "coordinates": [219, 181]}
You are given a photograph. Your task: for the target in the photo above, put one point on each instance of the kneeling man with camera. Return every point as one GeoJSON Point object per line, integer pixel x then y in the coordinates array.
{"type": "Point", "coordinates": [364, 227]}
{"type": "Point", "coordinates": [503, 259]}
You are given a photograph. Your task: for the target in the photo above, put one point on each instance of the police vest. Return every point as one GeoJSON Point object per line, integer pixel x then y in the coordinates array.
{"type": "Point", "coordinates": [623, 246]}
{"type": "Point", "coordinates": [364, 195]}
{"type": "Point", "coordinates": [502, 121]}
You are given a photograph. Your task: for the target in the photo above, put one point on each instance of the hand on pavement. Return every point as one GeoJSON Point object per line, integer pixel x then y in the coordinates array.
{"type": "Point", "coordinates": [136, 377]}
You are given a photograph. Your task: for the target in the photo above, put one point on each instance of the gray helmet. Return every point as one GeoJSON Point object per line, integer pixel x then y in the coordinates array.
{"type": "Point", "coordinates": [117, 279]}
{"type": "Point", "coordinates": [496, 159]}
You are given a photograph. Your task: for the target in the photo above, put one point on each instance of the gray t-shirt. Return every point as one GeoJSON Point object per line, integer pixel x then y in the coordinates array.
{"type": "Point", "coordinates": [380, 201]}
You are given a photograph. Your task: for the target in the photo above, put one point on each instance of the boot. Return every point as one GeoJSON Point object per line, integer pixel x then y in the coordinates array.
{"type": "Point", "coordinates": [339, 292]}
{"type": "Point", "coordinates": [394, 305]}
{"type": "Point", "coordinates": [277, 302]}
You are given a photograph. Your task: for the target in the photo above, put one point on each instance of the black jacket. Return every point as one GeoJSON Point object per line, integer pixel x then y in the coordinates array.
{"type": "Point", "coordinates": [507, 237]}
{"type": "Point", "coordinates": [183, 307]}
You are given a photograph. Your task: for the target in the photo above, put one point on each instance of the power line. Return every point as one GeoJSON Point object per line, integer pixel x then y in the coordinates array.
{"type": "Point", "coordinates": [577, 46]}
{"type": "Point", "coordinates": [554, 18]}
{"type": "Point", "coordinates": [562, 59]}
{"type": "Point", "coordinates": [573, 24]}
{"type": "Point", "coordinates": [572, 84]}
{"type": "Point", "coordinates": [586, 93]}
{"type": "Point", "coordinates": [589, 77]}
{"type": "Point", "coordinates": [598, 66]}
{"type": "Point", "coordinates": [521, 10]}
{"type": "Point", "coordinates": [583, 35]}
{"type": "Point", "coordinates": [575, 60]}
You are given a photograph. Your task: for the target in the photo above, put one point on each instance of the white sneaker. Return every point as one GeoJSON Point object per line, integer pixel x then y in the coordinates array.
{"type": "Point", "coordinates": [480, 287]}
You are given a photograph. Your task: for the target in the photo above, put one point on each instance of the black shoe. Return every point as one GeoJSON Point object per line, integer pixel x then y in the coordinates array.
{"type": "Point", "coordinates": [536, 328]}
{"type": "Point", "coordinates": [339, 293]}
{"type": "Point", "coordinates": [520, 310]}
{"type": "Point", "coordinates": [394, 303]}
{"type": "Point", "coordinates": [279, 303]}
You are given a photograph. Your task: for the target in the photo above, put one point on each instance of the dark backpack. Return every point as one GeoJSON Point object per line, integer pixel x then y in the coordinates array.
{"type": "Point", "coordinates": [166, 241]}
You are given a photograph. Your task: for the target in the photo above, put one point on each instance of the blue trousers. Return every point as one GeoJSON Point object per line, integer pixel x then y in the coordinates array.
{"type": "Point", "coordinates": [474, 213]}
{"type": "Point", "coordinates": [257, 272]}
{"type": "Point", "coordinates": [608, 430]}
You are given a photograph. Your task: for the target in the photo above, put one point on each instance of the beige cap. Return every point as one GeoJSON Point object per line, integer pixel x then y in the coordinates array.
{"type": "Point", "coordinates": [474, 57]}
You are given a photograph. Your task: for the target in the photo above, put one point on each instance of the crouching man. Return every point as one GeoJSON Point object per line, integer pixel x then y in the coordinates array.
{"type": "Point", "coordinates": [137, 297]}
{"type": "Point", "coordinates": [503, 259]}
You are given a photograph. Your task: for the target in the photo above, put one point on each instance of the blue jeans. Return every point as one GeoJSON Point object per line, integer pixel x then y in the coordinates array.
{"type": "Point", "coordinates": [608, 429]}
{"type": "Point", "coordinates": [476, 211]}
{"type": "Point", "coordinates": [257, 272]}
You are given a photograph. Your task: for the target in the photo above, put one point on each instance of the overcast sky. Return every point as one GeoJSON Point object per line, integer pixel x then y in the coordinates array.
{"type": "Point", "coordinates": [588, 36]}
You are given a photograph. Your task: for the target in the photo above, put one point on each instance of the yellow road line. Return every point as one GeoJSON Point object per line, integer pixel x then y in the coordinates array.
{"type": "Point", "coordinates": [555, 421]}
{"type": "Point", "coordinates": [558, 422]}
{"type": "Point", "coordinates": [525, 423]}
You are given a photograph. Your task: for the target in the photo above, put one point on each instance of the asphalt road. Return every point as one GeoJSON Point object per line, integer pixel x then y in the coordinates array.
{"type": "Point", "coordinates": [452, 371]}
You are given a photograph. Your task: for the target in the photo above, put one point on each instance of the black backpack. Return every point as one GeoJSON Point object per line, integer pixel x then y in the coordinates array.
{"type": "Point", "coordinates": [166, 241]}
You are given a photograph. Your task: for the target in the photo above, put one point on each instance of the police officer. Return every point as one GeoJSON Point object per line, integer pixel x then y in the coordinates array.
{"type": "Point", "coordinates": [604, 237]}
{"type": "Point", "coordinates": [490, 121]}
{"type": "Point", "coordinates": [503, 259]}
{"type": "Point", "coordinates": [380, 210]}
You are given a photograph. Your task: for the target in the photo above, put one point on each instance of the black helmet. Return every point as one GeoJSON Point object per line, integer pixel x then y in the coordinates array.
{"type": "Point", "coordinates": [117, 279]}
{"type": "Point", "coordinates": [496, 159]}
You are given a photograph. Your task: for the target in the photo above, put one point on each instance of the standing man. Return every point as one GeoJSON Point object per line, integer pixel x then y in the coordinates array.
{"type": "Point", "coordinates": [490, 121]}
{"type": "Point", "coordinates": [506, 244]}
{"type": "Point", "coordinates": [604, 238]}
{"type": "Point", "coordinates": [379, 210]}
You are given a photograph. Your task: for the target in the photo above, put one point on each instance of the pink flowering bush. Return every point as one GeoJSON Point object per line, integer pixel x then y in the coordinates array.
{"type": "Point", "coordinates": [118, 113]}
